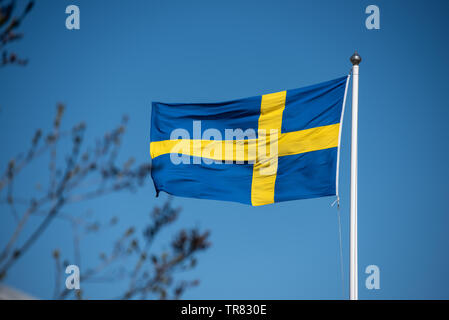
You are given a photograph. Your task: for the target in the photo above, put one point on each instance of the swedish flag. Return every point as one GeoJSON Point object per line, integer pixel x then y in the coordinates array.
{"type": "Point", "coordinates": [259, 150]}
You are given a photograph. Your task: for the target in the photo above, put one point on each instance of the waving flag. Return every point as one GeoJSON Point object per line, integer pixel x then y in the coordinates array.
{"type": "Point", "coordinates": [259, 150]}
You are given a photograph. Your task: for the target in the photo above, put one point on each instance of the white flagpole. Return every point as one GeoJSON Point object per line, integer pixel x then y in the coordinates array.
{"type": "Point", "coordinates": [353, 278]}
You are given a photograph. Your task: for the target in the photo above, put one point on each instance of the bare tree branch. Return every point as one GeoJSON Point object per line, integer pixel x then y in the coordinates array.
{"type": "Point", "coordinates": [8, 31]}
{"type": "Point", "coordinates": [88, 174]}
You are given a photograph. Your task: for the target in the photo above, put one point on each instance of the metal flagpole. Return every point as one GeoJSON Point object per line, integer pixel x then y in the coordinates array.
{"type": "Point", "coordinates": [353, 278]}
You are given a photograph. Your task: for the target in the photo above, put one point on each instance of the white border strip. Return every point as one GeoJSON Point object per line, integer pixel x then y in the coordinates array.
{"type": "Point", "coordinates": [339, 139]}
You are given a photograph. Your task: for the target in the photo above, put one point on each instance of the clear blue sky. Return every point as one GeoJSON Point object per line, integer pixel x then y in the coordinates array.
{"type": "Point", "coordinates": [127, 54]}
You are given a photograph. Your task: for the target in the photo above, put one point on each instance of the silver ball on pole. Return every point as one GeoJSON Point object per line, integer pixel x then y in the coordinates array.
{"type": "Point", "coordinates": [355, 59]}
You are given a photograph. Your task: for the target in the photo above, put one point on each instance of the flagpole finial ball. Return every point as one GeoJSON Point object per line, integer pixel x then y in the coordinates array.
{"type": "Point", "coordinates": [355, 59]}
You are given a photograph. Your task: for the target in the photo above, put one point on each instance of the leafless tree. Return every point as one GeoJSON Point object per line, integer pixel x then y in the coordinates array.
{"type": "Point", "coordinates": [9, 23]}
{"type": "Point", "coordinates": [87, 173]}
{"type": "Point", "coordinates": [93, 173]}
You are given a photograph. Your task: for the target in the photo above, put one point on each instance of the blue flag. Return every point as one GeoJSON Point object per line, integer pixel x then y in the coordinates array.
{"type": "Point", "coordinates": [259, 150]}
